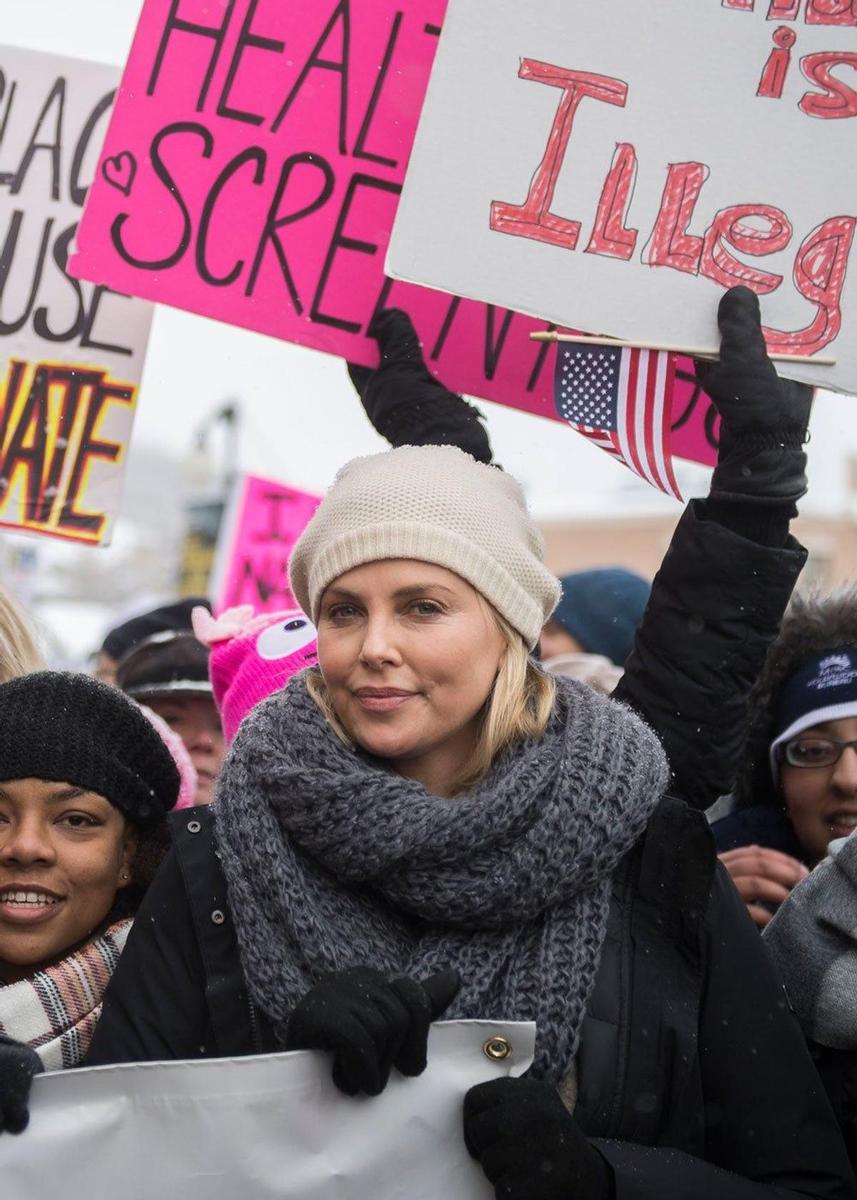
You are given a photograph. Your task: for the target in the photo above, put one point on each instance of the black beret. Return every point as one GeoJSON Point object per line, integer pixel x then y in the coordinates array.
{"type": "Point", "coordinates": [70, 728]}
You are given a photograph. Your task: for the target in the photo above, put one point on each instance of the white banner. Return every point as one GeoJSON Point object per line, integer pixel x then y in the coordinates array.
{"type": "Point", "coordinates": [71, 354]}
{"type": "Point", "coordinates": [272, 1127]}
{"type": "Point", "coordinates": [614, 166]}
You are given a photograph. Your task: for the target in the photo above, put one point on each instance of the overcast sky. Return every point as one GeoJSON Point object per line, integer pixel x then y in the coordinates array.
{"type": "Point", "coordinates": [301, 419]}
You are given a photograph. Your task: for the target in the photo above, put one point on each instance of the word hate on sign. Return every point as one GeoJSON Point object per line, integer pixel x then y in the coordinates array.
{"type": "Point", "coordinates": [56, 453]}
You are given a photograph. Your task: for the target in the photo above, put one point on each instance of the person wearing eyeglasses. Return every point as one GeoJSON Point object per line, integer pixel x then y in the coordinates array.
{"type": "Point", "coordinates": [797, 792]}
{"type": "Point", "coordinates": [813, 936]}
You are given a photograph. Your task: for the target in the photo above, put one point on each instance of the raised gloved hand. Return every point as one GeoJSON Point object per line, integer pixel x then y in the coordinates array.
{"type": "Point", "coordinates": [18, 1065]}
{"type": "Point", "coordinates": [404, 401]}
{"type": "Point", "coordinates": [763, 418]}
{"type": "Point", "coordinates": [371, 1024]}
{"type": "Point", "coordinates": [529, 1146]}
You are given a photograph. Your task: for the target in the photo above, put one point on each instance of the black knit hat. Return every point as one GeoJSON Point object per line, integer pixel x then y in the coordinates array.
{"type": "Point", "coordinates": [70, 728]}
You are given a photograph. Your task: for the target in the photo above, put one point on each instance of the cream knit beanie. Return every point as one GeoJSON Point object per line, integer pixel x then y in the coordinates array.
{"type": "Point", "coordinates": [438, 505]}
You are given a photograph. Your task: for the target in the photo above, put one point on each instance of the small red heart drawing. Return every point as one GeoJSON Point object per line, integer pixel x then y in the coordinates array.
{"type": "Point", "coordinates": [119, 171]}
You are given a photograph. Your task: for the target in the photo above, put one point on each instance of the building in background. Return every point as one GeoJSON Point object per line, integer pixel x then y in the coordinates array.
{"type": "Point", "coordinates": [637, 537]}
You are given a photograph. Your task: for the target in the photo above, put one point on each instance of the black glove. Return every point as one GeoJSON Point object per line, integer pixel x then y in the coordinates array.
{"type": "Point", "coordinates": [18, 1065]}
{"type": "Point", "coordinates": [763, 418]}
{"type": "Point", "coordinates": [404, 401]}
{"type": "Point", "coordinates": [529, 1146]}
{"type": "Point", "coordinates": [371, 1024]}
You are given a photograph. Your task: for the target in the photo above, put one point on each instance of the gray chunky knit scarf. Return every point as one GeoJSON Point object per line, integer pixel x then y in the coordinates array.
{"type": "Point", "coordinates": [333, 861]}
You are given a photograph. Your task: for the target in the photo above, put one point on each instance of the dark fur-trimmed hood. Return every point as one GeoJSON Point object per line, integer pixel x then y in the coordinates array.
{"type": "Point", "coordinates": [812, 625]}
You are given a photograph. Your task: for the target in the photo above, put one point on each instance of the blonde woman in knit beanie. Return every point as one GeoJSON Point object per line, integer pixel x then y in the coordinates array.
{"type": "Point", "coordinates": [426, 825]}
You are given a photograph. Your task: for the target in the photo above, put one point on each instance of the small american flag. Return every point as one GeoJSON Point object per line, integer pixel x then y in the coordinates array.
{"type": "Point", "coordinates": [620, 399]}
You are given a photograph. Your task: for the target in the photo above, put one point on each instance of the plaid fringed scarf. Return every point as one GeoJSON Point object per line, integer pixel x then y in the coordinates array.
{"type": "Point", "coordinates": [56, 1010]}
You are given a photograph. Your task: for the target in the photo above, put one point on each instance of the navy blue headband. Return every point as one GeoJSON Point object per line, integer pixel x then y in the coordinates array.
{"type": "Point", "coordinates": [824, 688]}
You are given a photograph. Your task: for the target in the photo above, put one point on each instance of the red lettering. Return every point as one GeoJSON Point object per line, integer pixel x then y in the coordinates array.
{"type": "Point", "coordinates": [831, 12]}
{"type": "Point", "coordinates": [70, 517]}
{"type": "Point", "coordinates": [838, 100]}
{"type": "Point", "coordinates": [610, 235]}
{"type": "Point", "coordinates": [818, 12]}
{"type": "Point", "coordinates": [26, 449]}
{"type": "Point", "coordinates": [819, 276]}
{"type": "Point", "coordinates": [784, 10]}
{"type": "Point", "coordinates": [533, 218]}
{"type": "Point", "coordinates": [71, 382]}
{"type": "Point", "coordinates": [777, 67]}
{"type": "Point", "coordinates": [670, 244]}
{"type": "Point", "coordinates": [730, 228]}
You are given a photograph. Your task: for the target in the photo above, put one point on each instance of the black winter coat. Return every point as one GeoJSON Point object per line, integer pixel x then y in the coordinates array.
{"type": "Point", "coordinates": [715, 607]}
{"type": "Point", "coordinates": [694, 1080]}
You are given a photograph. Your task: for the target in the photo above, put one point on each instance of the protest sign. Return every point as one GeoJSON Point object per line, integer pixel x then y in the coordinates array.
{"type": "Point", "coordinates": [251, 172]}
{"type": "Point", "coordinates": [265, 520]}
{"type": "Point", "coordinates": [615, 166]}
{"type": "Point", "coordinates": [268, 1126]}
{"type": "Point", "coordinates": [71, 354]}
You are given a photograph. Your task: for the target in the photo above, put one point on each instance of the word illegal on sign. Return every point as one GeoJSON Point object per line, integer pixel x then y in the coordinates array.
{"type": "Point", "coordinates": [755, 230]}
{"type": "Point", "coordinates": [51, 422]}
{"type": "Point", "coordinates": [624, 186]}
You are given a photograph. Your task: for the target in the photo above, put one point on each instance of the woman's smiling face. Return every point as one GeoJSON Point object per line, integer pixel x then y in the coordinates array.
{"type": "Point", "coordinates": [409, 652]}
{"type": "Point", "coordinates": [64, 854]}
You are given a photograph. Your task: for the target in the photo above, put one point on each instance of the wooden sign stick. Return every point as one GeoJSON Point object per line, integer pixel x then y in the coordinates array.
{"type": "Point", "coordinates": [551, 335]}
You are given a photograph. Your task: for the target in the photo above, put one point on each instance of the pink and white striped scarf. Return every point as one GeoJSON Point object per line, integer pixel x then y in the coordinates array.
{"type": "Point", "coordinates": [56, 1010]}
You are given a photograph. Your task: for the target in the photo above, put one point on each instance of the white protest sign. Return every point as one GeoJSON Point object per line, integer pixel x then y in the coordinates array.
{"type": "Point", "coordinates": [614, 166]}
{"type": "Point", "coordinates": [272, 1127]}
{"type": "Point", "coordinates": [71, 354]}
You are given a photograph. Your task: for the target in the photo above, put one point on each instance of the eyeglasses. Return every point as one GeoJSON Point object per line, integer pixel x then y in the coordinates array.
{"type": "Point", "coordinates": [814, 751]}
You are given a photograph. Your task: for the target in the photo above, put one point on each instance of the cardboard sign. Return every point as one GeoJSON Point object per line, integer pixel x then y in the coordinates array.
{"type": "Point", "coordinates": [71, 355]}
{"type": "Point", "coordinates": [260, 1127]}
{"type": "Point", "coordinates": [616, 166]}
{"type": "Point", "coordinates": [252, 171]}
{"type": "Point", "coordinates": [265, 520]}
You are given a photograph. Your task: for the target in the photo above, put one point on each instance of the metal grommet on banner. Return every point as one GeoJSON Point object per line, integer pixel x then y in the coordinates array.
{"type": "Point", "coordinates": [193, 827]}
{"type": "Point", "coordinates": [497, 1048]}
{"type": "Point", "coordinates": [218, 917]}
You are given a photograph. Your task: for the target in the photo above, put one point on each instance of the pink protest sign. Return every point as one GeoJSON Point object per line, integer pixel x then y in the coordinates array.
{"type": "Point", "coordinates": [251, 173]}
{"type": "Point", "coordinates": [265, 520]}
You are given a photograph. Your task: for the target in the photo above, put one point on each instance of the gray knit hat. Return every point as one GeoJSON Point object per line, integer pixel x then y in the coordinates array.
{"type": "Point", "coordinates": [438, 505]}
